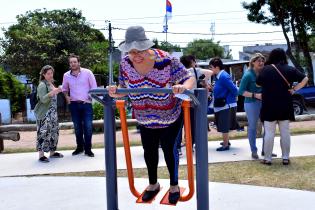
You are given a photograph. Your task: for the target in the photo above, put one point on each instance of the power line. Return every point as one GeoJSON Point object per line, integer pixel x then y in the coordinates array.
{"type": "Point", "coordinates": [200, 22]}
{"type": "Point", "coordinates": [207, 34]}
{"type": "Point", "coordinates": [183, 15]}
{"type": "Point", "coordinates": [221, 42]}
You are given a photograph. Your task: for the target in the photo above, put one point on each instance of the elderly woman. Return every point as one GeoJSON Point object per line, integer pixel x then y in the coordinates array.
{"type": "Point", "coordinates": [159, 115]}
{"type": "Point", "coordinates": [46, 115]}
{"type": "Point", "coordinates": [224, 94]}
{"type": "Point", "coordinates": [276, 80]}
{"type": "Point", "coordinates": [252, 102]}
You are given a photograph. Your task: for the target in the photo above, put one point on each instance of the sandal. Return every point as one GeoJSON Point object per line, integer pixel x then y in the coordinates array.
{"type": "Point", "coordinates": [56, 155]}
{"type": "Point", "coordinates": [265, 162]}
{"type": "Point", "coordinates": [285, 162]}
{"type": "Point", "coordinates": [43, 159]}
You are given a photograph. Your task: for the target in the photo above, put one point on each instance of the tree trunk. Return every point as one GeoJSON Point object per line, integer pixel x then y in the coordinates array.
{"type": "Point", "coordinates": [303, 37]}
{"type": "Point", "coordinates": [289, 50]}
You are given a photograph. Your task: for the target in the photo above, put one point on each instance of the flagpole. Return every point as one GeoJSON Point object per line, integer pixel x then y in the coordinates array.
{"type": "Point", "coordinates": [166, 26]}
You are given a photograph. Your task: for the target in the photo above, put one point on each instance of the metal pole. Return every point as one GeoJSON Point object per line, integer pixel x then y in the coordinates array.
{"type": "Point", "coordinates": [201, 142]}
{"type": "Point", "coordinates": [1, 140]}
{"type": "Point", "coordinates": [110, 153]}
{"type": "Point", "coordinates": [110, 54]}
{"type": "Point", "coordinates": [166, 22]}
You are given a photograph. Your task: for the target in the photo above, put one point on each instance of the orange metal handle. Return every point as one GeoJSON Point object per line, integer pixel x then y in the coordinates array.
{"type": "Point", "coordinates": [189, 153]}
{"type": "Point", "coordinates": [124, 128]}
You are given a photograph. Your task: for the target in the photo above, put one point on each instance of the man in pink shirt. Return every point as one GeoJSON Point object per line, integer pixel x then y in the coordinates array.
{"type": "Point", "coordinates": [76, 84]}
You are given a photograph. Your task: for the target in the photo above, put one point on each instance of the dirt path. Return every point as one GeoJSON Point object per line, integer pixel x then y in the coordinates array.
{"type": "Point", "coordinates": [67, 138]}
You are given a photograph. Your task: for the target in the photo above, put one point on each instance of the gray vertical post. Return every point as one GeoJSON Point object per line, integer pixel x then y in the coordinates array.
{"type": "Point", "coordinates": [110, 153]}
{"type": "Point", "coordinates": [1, 140]}
{"type": "Point", "coordinates": [201, 142]}
{"type": "Point", "coordinates": [110, 54]}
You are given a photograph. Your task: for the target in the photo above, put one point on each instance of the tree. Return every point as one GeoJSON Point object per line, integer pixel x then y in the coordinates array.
{"type": "Point", "coordinates": [296, 16]}
{"type": "Point", "coordinates": [166, 46]}
{"type": "Point", "coordinates": [204, 49]}
{"type": "Point", "coordinates": [311, 44]}
{"type": "Point", "coordinates": [48, 37]}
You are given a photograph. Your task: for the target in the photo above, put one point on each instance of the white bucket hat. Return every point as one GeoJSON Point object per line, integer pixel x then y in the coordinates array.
{"type": "Point", "coordinates": [135, 38]}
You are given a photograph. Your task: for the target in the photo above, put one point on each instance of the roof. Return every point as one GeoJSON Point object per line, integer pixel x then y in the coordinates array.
{"type": "Point", "coordinates": [225, 62]}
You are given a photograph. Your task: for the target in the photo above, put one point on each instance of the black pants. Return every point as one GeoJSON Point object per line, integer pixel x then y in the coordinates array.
{"type": "Point", "coordinates": [151, 138]}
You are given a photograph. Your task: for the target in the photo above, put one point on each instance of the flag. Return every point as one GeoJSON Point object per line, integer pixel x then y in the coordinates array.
{"type": "Point", "coordinates": [168, 9]}
{"type": "Point", "coordinates": [168, 15]}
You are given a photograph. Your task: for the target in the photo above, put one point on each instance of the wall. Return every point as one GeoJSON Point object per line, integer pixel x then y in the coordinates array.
{"type": "Point", "coordinates": [5, 110]}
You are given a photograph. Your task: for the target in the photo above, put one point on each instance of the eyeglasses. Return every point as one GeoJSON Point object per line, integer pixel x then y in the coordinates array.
{"type": "Point", "coordinates": [137, 52]}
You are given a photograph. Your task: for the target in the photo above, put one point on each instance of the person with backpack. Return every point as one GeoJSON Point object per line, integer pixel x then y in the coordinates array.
{"type": "Point", "coordinates": [46, 115]}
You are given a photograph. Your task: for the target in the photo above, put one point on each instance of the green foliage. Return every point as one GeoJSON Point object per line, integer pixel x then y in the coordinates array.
{"type": "Point", "coordinates": [204, 49]}
{"type": "Point", "coordinates": [98, 111]}
{"type": "Point", "coordinates": [12, 89]}
{"type": "Point", "coordinates": [311, 43]}
{"type": "Point", "coordinates": [43, 37]}
{"type": "Point", "coordinates": [102, 69]}
{"type": "Point", "coordinates": [296, 16]}
{"type": "Point", "coordinates": [166, 46]}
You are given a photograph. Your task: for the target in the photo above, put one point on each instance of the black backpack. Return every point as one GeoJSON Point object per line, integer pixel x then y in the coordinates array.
{"type": "Point", "coordinates": [34, 98]}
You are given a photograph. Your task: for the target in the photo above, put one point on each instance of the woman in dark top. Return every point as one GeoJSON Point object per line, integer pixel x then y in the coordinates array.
{"type": "Point", "coordinates": [276, 80]}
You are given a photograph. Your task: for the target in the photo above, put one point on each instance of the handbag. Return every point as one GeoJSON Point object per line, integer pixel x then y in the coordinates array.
{"type": "Point", "coordinates": [286, 81]}
{"type": "Point", "coordinates": [219, 102]}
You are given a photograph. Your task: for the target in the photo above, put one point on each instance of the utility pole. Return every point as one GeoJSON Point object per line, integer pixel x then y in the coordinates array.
{"type": "Point", "coordinates": [212, 29]}
{"type": "Point", "coordinates": [110, 54]}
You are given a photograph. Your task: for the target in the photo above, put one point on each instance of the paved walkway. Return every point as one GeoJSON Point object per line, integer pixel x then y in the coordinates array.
{"type": "Point", "coordinates": [27, 164]}
{"type": "Point", "coordinates": [68, 193]}
{"type": "Point", "coordinates": [67, 138]}
{"type": "Point", "coordinates": [89, 193]}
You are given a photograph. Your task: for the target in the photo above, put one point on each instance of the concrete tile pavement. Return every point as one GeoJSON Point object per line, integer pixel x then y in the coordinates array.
{"type": "Point", "coordinates": [27, 163]}
{"type": "Point", "coordinates": [68, 193]}
{"type": "Point", "coordinates": [82, 193]}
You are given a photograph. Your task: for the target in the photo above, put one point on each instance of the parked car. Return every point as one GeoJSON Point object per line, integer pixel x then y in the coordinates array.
{"type": "Point", "coordinates": [303, 98]}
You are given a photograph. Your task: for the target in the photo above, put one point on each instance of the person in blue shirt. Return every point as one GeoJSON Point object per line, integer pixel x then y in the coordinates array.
{"type": "Point", "coordinates": [252, 103]}
{"type": "Point", "coordinates": [224, 94]}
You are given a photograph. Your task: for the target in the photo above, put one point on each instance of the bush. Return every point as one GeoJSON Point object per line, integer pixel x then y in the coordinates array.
{"type": "Point", "coordinates": [98, 111]}
{"type": "Point", "coordinates": [12, 89]}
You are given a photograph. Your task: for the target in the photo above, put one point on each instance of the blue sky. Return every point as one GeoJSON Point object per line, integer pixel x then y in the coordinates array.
{"type": "Point", "coordinates": [188, 16]}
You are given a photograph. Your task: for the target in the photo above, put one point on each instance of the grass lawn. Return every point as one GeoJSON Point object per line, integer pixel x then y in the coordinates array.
{"type": "Point", "coordinates": [299, 175]}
